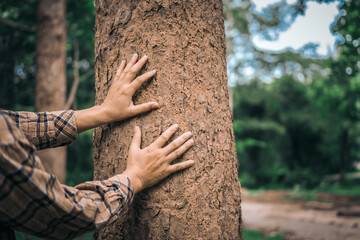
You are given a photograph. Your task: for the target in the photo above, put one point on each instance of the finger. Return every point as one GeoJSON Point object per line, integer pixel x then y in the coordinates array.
{"type": "Point", "coordinates": [180, 151]}
{"type": "Point", "coordinates": [136, 141]}
{"type": "Point", "coordinates": [133, 70]}
{"type": "Point", "coordinates": [119, 70]}
{"type": "Point", "coordinates": [177, 142]}
{"type": "Point", "coordinates": [180, 166]}
{"type": "Point", "coordinates": [131, 63]}
{"type": "Point", "coordinates": [165, 136]}
{"type": "Point", "coordinates": [140, 80]}
{"type": "Point", "coordinates": [145, 107]}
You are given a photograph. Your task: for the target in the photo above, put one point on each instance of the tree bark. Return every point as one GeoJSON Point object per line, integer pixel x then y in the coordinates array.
{"type": "Point", "coordinates": [50, 86]}
{"type": "Point", "coordinates": [185, 42]}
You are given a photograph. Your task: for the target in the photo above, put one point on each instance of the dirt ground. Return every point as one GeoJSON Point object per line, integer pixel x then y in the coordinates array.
{"type": "Point", "coordinates": [300, 220]}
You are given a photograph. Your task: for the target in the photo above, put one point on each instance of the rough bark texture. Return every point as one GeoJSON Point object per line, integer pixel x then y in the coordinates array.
{"type": "Point", "coordinates": [185, 43]}
{"type": "Point", "coordinates": [50, 87]}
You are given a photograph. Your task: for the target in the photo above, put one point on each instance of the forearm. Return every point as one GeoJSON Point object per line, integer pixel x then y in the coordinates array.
{"type": "Point", "coordinates": [90, 118]}
{"type": "Point", "coordinates": [46, 207]}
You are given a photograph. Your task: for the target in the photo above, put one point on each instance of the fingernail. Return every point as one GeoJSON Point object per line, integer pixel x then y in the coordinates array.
{"type": "Point", "coordinates": [176, 125]}
{"type": "Point", "coordinates": [145, 56]}
{"type": "Point", "coordinates": [191, 141]}
{"type": "Point", "coordinates": [153, 71]}
{"type": "Point", "coordinates": [137, 128]}
{"type": "Point", "coordinates": [188, 134]}
{"type": "Point", "coordinates": [191, 161]}
{"type": "Point", "coordinates": [122, 62]}
{"type": "Point", "coordinates": [155, 105]}
{"type": "Point", "coordinates": [135, 55]}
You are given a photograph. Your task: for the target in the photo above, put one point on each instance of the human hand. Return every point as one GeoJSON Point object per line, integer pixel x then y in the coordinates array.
{"type": "Point", "coordinates": [118, 104]}
{"type": "Point", "coordinates": [148, 166]}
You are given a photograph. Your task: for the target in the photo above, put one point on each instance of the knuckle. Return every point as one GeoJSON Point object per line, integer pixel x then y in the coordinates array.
{"type": "Point", "coordinates": [176, 144]}
{"type": "Point", "coordinates": [131, 111]}
{"type": "Point", "coordinates": [163, 159]}
{"type": "Point", "coordinates": [133, 70]}
{"type": "Point", "coordinates": [148, 150]}
{"type": "Point", "coordinates": [158, 154]}
{"type": "Point", "coordinates": [177, 153]}
{"type": "Point", "coordinates": [141, 79]}
{"type": "Point", "coordinates": [163, 137]}
{"type": "Point", "coordinates": [178, 167]}
{"type": "Point", "coordinates": [122, 90]}
{"type": "Point", "coordinates": [163, 172]}
{"type": "Point", "coordinates": [171, 147]}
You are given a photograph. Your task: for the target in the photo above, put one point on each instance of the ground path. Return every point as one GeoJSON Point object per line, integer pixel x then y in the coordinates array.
{"type": "Point", "coordinates": [297, 222]}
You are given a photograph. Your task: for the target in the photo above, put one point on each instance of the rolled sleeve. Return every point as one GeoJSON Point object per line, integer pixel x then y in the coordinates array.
{"type": "Point", "coordinates": [33, 201]}
{"type": "Point", "coordinates": [46, 129]}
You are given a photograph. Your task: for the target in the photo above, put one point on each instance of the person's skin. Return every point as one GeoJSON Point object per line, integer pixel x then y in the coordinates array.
{"type": "Point", "coordinates": [145, 167]}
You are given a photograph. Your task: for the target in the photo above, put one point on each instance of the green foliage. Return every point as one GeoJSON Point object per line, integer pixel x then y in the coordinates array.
{"type": "Point", "coordinates": [23, 236]}
{"type": "Point", "coordinates": [249, 234]}
{"type": "Point", "coordinates": [17, 51]}
{"type": "Point", "coordinates": [278, 132]}
{"type": "Point", "coordinates": [283, 136]}
{"type": "Point", "coordinates": [294, 133]}
{"type": "Point", "coordinates": [345, 187]}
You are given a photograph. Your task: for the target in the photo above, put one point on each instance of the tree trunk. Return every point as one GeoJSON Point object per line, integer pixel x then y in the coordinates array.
{"type": "Point", "coordinates": [50, 86]}
{"type": "Point", "coordinates": [185, 42]}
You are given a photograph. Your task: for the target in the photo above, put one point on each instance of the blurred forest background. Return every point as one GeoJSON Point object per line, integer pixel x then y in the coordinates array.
{"type": "Point", "coordinates": [296, 120]}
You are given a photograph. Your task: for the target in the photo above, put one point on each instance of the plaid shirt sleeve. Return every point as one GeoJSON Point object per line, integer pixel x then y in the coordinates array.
{"type": "Point", "coordinates": [33, 201]}
{"type": "Point", "coordinates": [46, 129]}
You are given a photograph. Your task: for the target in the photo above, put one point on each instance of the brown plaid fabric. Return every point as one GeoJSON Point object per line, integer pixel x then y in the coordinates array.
{"type": "Point", "coordinates": [32, 200]}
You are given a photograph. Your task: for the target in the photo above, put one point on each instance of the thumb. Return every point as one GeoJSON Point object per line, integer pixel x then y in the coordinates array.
{"type": "Point", "coordinates": [136, 141]}
{"type": "Point", "coordinates": [145, 107]}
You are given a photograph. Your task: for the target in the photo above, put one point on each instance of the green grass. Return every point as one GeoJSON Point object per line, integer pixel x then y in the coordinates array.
{"type": "Point", "coordinates": [256, 235]}
{"type": "Point", "coordinates": [342, 189]}
{"type": "Point", "coordinates": [24, 236]}
{"type": "Point", "coordinates": [345, 187]}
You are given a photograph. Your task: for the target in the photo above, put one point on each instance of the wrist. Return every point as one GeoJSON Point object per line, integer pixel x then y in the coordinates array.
{"type": "Point", "coordinates": [90, 118]}
{"type": "Point", "coordinates": [135, 181]}
{"type": "Point", "coordinates": [102, 114]}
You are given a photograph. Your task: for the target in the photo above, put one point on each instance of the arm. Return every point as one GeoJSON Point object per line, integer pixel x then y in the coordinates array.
{"type": "Point", "coordinates": [46, 129]}
{"type": "Point", "coordinates": [33, 201]}
{"type": "Point", "coordinates": [52, 129]}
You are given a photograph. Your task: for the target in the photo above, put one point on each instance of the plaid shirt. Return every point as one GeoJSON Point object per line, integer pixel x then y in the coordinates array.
{"type": "Point", "coordinates": [32, 200]}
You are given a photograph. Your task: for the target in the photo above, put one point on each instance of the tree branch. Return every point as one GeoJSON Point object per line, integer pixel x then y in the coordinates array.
{"type": "Point", "coordinates": [71, 99]}
{"type": "Point", "coordinates": [17, 26]}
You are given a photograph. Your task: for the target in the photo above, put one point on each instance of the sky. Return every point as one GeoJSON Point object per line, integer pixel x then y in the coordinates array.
{"type": "Point", "coordinates": [313, 27]}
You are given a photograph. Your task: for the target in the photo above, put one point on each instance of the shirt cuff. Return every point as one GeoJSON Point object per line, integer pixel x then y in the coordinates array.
{"type": "Point", "coordinates": [65, 126]}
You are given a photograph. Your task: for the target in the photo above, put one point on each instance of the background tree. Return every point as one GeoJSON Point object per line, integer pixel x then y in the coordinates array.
{"type": "Point", "coordinates": [185, 43]}
{"type": "Point", "coordinates": [17, 65]}
{"type": "Point", "coordinates": [50, 85]}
